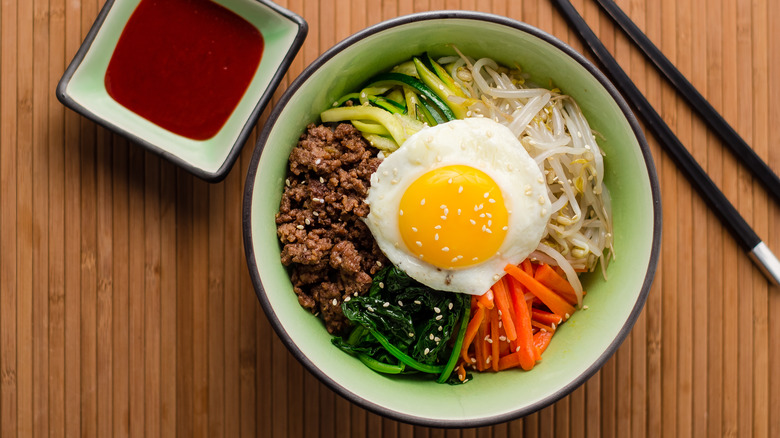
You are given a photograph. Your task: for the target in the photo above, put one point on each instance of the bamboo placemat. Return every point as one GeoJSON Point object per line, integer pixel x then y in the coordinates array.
{"type": "Point", "coordinates": [126, 308]}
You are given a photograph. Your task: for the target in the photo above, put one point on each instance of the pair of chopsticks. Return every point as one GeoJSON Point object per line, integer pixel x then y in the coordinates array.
{"type": "Point", "coordinates": [761, 255]}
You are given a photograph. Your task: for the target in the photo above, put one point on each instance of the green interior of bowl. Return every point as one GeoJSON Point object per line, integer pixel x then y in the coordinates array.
{"type": "Point", "coordinates": [582, 340]}
{"type": "Point", "coordinates": [87, 87]}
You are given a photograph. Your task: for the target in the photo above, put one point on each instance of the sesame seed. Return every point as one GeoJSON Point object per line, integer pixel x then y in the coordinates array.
{"type": "Point", "coordinates": [489, 357]}
{"type": "Point", "coordinates": [492, 201]}
{"type": "Point", "coordinates": [475, 259]}
{"type": "Point", "coordinates": [585, 307]}
{"type": "Point", "coordinates": [400, 303]}
{"type": "Point", "coordinates": [437, 310]}
{"type": "Point", "coordinates": [473, 222]}
{"type": "Point", "coordinates": [460, 189]}
{"type": "Point", "coordinates": [489, 215]}
{"type": "Point", "coordinates": [385, 173]}
{"type": "Point", "coordinates": [553, 326]}
{"type": "Point", "coordinates": [446, 211]}
{"type": "Point", "coordinates": [431, 336]}
{"type": "Point", "coordinates": [422, 202]}
{"type": "Point", "coordinates": [394, 181]}
{"type": "Point", "coordinates": [417, 302]}
{"type": "Point", "coordinates": [437, 339]}
{"type": "Point", "coordinates": [414, 229]}
{"type": "Point", "coordinates": [500, 324]}
{"type": "Point", "coordinates": [300, 227]}
{"type": "Point", "coordinates": [347, 298]}
{"type": "Point", "coordinates": [436, 236]}
{"type": "Point", "coordinates": [505, 228]}
{"type": "Point", "coordinates": [315, 213]}
{"type": "Point", "coordinates": [444, 218]}
{"type": "Point", "coordinates": [287, 182]}
{"type": "Point", "coordinates": [437, 227]}
{"type": "Point", "coordinates": [482, 215]}
{"type": "Point", "coordinates": [438, 317]}
{"type": "Point", "coordinates": [449, 181]}
{"type": "Point", "coordinates": [322, 180]}
{"type": "Point", "coordinates": [567, 316]}
{"type": "Point", "coordinates": [543, 212]}
{"type": "Point", "coordinates": [370, 309]}
{"type": "Point", "coordinates": [440, 328]}
{"type": "Point", "coordinates": [411, 335]}
{"type": "Point", "coordinates": [418, 243]}
{"type": "Point", "coordinates": [499, 313]}
{"type": "Point", "coordinates": [517, 349]}
{"type": "Point", "coordinates": [386, 304]}
{"type": "Point", "coordinates": [496, 277]}
{"type": "Point", "coordinates": [381, 285]}
{"type": "Point", "coordinates": [502, 338]}
{"type": "Point", "coordinates": [449, 306]}
{"type": "Point", "coordinates": [490, 222]}
{"type": "Point", "coordinates": [481, 206]}
{"type": "Point", "coordinates": [541, 199]}
{"type": "Point", "coordinates": [317, 161]}
{"type": "Point", "coordinates": [445, 249]}
{"type": "Point", "coordinates": [474, 360]}
{"type": "Point", "coordinates": [427, 350]}
{"type": "Point", "coordinates": [400, 212]}
{"type": "Point", "coordinates": [490, 341]}
{"type": "Point", "coordinates": [476, 208]}
{"type": "Point", "coordinates": [486, 195]}
{"type": "Point", "coordinates": [307, 221]}
{"type": "Point", "coordinates": [335, 302]}
{"type": "Point", "coordinates": [458, 212]}
{"type": "Point", "coordinates": [378, 263]}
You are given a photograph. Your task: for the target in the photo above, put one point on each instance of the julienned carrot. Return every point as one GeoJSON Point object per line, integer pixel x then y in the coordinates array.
{"type": "Point", "coordinates": [479, 344]}
{"type": "Point", "coordinates": [471, 332]}
{"type": "Point", "coordinates": [525, 341]}
{"type": "Point", "coordinates": [539, 325]}
{"type": "Point", "coordinates": [546, 318]}
{"type": "Point", "coordinates": [486, 299]}
{"type": "Point", "coordinates": [494, 340]}
{"type": "Point", "coordinates": [553, 301]}
{"type": "Point", "coordinates": [548, 277]}
{"type": "Point", "coordinates": [509, 361]}
{"type": "Point", "coordinates": [502, 301]}
{"type": "Point", "coordinates": [528, 267]}
{"type": "Point", "coordinates": [542, 340]}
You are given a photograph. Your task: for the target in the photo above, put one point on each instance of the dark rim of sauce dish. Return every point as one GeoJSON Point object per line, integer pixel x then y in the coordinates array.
{"type": "Point", "coordinates": [412, 419]}
{"type": "Point", "coordinates": [249, 124]}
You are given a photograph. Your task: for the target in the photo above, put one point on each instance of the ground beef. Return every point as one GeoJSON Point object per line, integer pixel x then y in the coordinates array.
{"type": "Point", "coordinates": [330, 252]}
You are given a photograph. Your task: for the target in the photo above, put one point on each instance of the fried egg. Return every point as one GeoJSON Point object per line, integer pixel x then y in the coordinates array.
{"type": "Point", "coordinates": [456, 203]}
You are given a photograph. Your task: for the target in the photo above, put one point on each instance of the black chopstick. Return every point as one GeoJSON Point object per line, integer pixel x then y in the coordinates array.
{"type": "Point", "coordinates": [718, 203]}
{"type": "Point", "coordinates": [714, 120]}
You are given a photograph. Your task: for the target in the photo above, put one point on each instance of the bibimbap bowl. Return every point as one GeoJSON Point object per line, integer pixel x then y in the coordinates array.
{"type": "Point", "coordinates": [581, 345]}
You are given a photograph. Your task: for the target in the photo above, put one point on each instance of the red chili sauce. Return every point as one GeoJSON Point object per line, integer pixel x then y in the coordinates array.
{"type": "Point", "coordinates": [184, 65]}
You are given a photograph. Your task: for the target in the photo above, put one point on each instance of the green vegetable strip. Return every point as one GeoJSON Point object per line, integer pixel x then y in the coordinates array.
{"type": "Point", "coordinates": [367, 113]}
{"type": "Point", "coordinates": [403, 357]}
{"type": "Point", "coordinates": [418, 86]}
{"type": "Point", "coordinates": [464, 321]}
{"type": "Point", "coordinates": [378, 366]}
{"type": "Point", "coordinates": [430, 113]}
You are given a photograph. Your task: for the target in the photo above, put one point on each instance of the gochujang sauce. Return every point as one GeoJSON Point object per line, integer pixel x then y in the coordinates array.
{"type": "Point", "coordinates": [184, 65]}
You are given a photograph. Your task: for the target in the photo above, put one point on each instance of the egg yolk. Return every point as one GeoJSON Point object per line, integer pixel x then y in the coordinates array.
{"type": "Point", "coordinates": [453, 217]}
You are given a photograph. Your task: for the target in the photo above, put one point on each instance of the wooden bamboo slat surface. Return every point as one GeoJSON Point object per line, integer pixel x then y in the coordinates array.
{"type": "Point", "coordinates": [126, 308]}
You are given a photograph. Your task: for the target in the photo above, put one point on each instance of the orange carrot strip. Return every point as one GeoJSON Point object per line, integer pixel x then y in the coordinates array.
{"type": "Point", "coordinates": [462, 372]}
{"type": "Point", "coordinates": [509, 361]}
{"type": "Point", "coordinates": [557, 305]}
{"type": "Point", "coordinates": [545, 317]}
{"type": "Point", "coordinates": [494, 342]}
{"type": "Point", "coordinates": [486, 299]}
{"type": "Point", "coordinates": [548, 277]}
{"type": "Point", "coordinates": [502, 301]}
{"type": "Point", "coordinates": [524, 332]}
{"type": "Point", "coordinates": [539, 325]}
{"type": "Point", "coordinates": [528, 267]}
{"type": "Point", "coordinates": [542, 340]}
{"type": "Point", "coordinates": [471, 332]}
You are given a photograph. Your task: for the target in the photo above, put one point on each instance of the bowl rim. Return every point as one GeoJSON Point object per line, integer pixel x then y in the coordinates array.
{"type": "Point", "coordinates": [210, 176]}
{"type": "Point", "coordinates": [335, 386]}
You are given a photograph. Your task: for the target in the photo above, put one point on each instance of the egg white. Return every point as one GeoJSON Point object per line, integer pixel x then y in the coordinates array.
{"type": "Point", "coordinates": [480, 143]}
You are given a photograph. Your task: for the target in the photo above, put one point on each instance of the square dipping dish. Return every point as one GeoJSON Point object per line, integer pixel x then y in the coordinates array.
{"type": "Point", "coordinates": [186, 79]}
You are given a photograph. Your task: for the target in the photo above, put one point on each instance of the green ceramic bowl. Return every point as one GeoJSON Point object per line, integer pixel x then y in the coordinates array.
{"type": "Point", "coordinates": [584, 343]}
{"type": "Point", "coordinates": [82, 87]}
